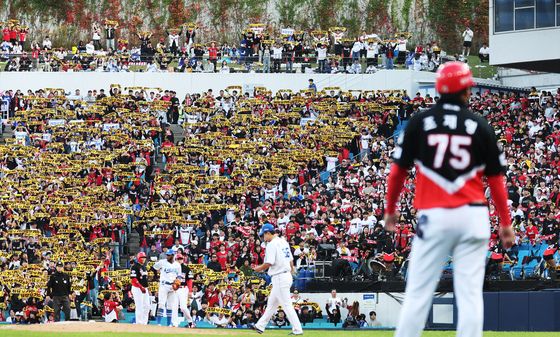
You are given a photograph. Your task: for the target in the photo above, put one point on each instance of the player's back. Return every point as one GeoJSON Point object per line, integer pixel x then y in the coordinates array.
{"type": "Point", "coordinates": [452, 149]}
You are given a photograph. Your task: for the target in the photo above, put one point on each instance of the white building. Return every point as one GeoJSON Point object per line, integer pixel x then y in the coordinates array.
{"type": "Point", "coordinates": [525, 34]}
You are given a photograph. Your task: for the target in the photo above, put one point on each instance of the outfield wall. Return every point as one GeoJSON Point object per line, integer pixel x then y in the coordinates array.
{"type": "Point", "coordinates": [503, 311]}
{"type": "Point", "coordinates": [197, 82]}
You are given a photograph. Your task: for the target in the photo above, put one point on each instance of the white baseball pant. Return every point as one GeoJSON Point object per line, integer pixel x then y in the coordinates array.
{"type": "Point", "coordinates": [183, 299]}
{"type": "Point", "coordinates": [463, 233]}
{"type": "Point", "coordinates": [280, 295]}
{"type": "Point", "coordinates": [142, 304]}
{"type": "Point", "coordinates": [167, 300]}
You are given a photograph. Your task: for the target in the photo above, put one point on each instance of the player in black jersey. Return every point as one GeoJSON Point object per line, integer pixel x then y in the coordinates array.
{"type": "Point", "coordinates": [183, 291]}
{"type": "Point", "coordinates": [451, 149]}
{"type": "Point", "coordinates": [140, 292]}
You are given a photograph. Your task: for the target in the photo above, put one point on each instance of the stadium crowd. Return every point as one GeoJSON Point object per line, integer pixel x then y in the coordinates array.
{"type": "Point", "coordinates": [84, 173]}
{"type": "Point", "coordinates": [180, 50]}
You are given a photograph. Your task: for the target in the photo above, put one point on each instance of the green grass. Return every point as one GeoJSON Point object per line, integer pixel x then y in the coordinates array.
{"type": "Point", "coordinates": [268, 333]}
{"type": "Point", "coordinates": [483, 70]}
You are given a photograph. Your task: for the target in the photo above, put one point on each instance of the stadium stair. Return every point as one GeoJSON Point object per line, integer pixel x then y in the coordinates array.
{"type": "Point", "coordinates": [177, 132]}
{"type": "Point", "coordinates": [133, 243]}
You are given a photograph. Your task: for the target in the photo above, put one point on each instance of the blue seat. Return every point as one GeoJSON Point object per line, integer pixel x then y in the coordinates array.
{"type": "Point", "coordinates": [516, 270]}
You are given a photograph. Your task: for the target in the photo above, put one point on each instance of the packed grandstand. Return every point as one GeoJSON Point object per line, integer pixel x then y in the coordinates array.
{"type": "Point", "coordinates": [181, 50]}
{"type": "Point", "coordinates": [87, 174]}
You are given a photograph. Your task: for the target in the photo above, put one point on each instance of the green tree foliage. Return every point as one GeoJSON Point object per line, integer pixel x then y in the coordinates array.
{"type": "Point", "coordinates": [70, 20]}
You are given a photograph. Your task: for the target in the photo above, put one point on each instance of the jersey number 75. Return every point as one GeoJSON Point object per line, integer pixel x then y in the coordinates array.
{"type": "Point", "coordinates": [458, 146]}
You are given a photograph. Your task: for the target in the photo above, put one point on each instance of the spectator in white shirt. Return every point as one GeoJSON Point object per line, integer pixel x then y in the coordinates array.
{"type": "Point", "coordinates": [372, 49]}
{"type": "Point", "coordinates": [356, 50]}
{"type": "Point", "coordinates": [364, 144]}
{"type": "Point", "coordinates": [90, 47]}
{"type": "Point", "coordinates": [276, 58]}
{"type": "Point", "coordinates": [321, 57]}
{"type": "Point", "coordinates": [333, 302]}
{"type": "Point", "coordinates": [47, 44]}
{"type": "Point", "coordinates": [484, 53]}
{"type": "Point", "coordinates": [467, 41]}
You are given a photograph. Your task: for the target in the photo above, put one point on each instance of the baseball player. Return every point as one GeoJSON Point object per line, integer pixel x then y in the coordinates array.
{"type": "Point", "coordinates": [452, 149]}
{"type": "Point", "coordinates": [167, 296]}
{"type": "Point", "coordinates": [140, 292]}
{"type": "Point", "coordinates": [280, 264]}
{"type": "Point", "coordinates": [183, 291]}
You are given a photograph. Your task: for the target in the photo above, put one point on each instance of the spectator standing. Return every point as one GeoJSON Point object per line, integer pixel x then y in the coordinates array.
{"type": "Point", "coordinates": [96, 35]}
{"type": "Point", "coordinates": [401, 49]}
{"type": "Point", "coordinates": [484, 53]}
{"type": "Point", "coordinates": [321, 57]}
{"type": "Point", "coordinates": [389, 55]}
{"type": "Point", "coordinates": [357, 50]}
{"type": "Point", "coordinates": [59, 287]}
{"type": "Point", "coordinates": [371, 53]}
{"type": "Point", "coordinates": [467, 41]}
{"type": "Point", "coordinates": [276, 58]}
{"type": "Point", "coordinates": [213, 55]}
{"type": "Point", "coordinates": [266, 59]}
{"type": "Point", "coordinates": [333, 306]}
{"type": "Point", "coordinates": [110, 36]}
{"type": "Point", "coordinates": [22, 35]}
{"type": "Point", "coordinates": [173, 36]}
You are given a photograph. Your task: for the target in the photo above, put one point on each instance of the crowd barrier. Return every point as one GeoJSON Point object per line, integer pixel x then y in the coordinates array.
{"type": "Point", "coordinates": [503, 311]}
{"type": "Point", "coordinates": [185, 83]}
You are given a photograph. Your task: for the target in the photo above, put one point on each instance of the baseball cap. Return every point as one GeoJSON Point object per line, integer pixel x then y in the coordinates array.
{"type": "Point", "coordinates": [266, 228]}
{"type": "Point", "coordinates": [60, 264]}
{"type": "Point", "coordinates": [178, 257]}
{"type": "Point", "coordinates": [170, 252]}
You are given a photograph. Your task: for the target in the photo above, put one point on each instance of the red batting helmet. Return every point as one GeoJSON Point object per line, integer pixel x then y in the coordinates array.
{"type": "Point", "coordinates": [140, 255]}
{"type": "Point", "coordinates": [178, 257]}
{"type": "Point", "coordinates": [453, 77]}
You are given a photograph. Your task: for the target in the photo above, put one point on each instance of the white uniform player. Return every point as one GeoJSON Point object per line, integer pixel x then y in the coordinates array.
{"type": "Point", "coordinates": [279, 262]}
{"type": "Point", "coordinates": [183, 292]}
{"type": "Point", "coordinates": [167, 297]}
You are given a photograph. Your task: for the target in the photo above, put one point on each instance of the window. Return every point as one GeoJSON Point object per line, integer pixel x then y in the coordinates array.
{"type": "Point", "coordinates": [524, 14]}
{"type": "Point", "coordinates": [558, 13]}
{"type": "Point", "coordinates": [503, 15]}
{"type": "Point", "coordinates": [524, 18]}
{"type": "Point", "coordinates": [545, 13]}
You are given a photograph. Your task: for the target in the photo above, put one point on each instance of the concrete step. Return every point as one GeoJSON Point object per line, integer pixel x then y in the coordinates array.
{"type": "Point", "coordinates": [177, 132]}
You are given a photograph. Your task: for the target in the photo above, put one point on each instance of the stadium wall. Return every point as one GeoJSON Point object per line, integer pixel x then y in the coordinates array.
{"type": "Point", "coordinates": [194, 83]}
{"type": "Point", "coordinates": [503, 311]}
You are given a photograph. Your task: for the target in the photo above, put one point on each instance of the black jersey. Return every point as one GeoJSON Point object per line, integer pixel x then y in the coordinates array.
{"type": "Point", "coordinates": [185, 274]}
{"type": "Point", "coordinates": [452, 149]}
{"type": "Point", "coordinates": [140, 273]}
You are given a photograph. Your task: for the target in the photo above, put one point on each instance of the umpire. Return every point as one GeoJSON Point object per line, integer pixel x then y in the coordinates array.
{"type": "Point", "coordinates": [59, 287]}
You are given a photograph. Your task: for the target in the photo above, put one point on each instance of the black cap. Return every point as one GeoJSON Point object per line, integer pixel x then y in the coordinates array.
{"type": "Point", "coordinates": [59, 264]}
